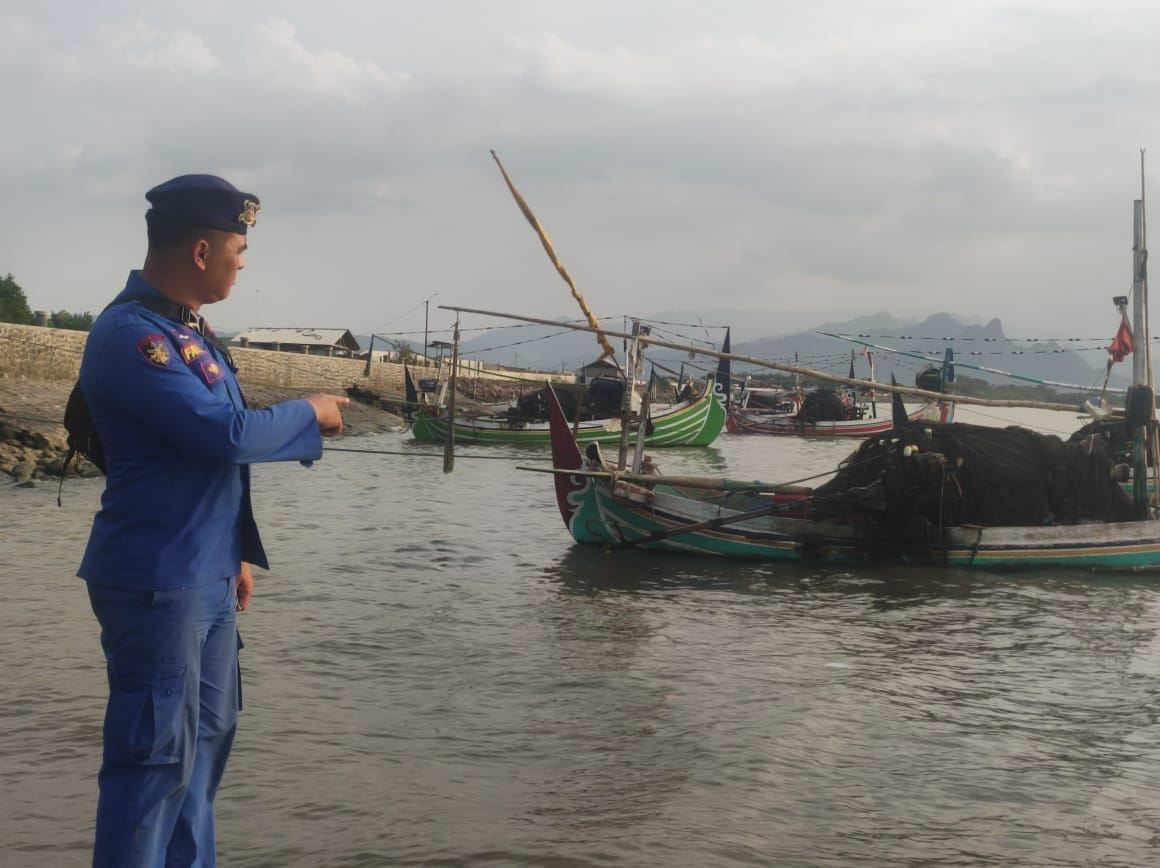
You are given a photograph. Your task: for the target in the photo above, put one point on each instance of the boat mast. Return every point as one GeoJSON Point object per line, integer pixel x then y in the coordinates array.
{"type": "Point", "coordinates": [631, 401]}
{"type": "Point", "coordinates": [1141, 361]}
{"type": "Point", "coordinates": [1140, 289]}
{"type": "Point", "coordinates": [1145, 437]}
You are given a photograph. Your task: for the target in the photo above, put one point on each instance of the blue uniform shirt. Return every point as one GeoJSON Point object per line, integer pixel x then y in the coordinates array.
{"type": "Point", "coordinates": [178, 443]}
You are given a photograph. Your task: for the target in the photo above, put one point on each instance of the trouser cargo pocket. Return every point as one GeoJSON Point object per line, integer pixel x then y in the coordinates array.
{"type": "Point", "coordinates": [145, 719]}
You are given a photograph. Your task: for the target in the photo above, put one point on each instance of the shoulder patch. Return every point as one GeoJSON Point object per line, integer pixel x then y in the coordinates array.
{"type": "Point", "coordinates": [153, 348]}
{"type": "Point", "coordinates": [211, 371]}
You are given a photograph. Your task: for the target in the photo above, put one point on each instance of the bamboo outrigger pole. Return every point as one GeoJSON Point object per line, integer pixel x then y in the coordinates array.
{"type": "Point", "coordinates": [781, 366]}
{"type": "Point", "coordinates": [544, 240]}
{"type": "Point", "coordinates": [709, 483]}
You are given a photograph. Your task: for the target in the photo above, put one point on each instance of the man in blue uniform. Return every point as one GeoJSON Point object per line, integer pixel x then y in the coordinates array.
{"type": "Point", "coordinates": [168, 560]}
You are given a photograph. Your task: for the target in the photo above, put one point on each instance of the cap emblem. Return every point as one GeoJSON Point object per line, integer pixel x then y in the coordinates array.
{"type": "Point", "coordinates": [249, 214]}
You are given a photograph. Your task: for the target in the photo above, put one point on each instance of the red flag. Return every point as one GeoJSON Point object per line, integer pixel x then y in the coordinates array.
{"type": "Point", "coordinates": [1121, 343]}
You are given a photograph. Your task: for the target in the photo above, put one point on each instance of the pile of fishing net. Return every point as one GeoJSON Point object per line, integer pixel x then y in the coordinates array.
{"type": "Point", "coordinates": [957, 474]}
{"type": "Point", "coordinates": [822, 405]}
{"type": "Point", "coordinates": [831, 405]}
{"type": "Point", "coordinates": [534, 405]}
{"type": "Point", "coordinates": [599, 399]}
{"type": "Point", "coordinates": [1108, 435]}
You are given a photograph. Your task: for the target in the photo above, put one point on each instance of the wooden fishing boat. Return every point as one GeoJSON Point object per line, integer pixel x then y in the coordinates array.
{"type": "Point", "coordinates": [745, 519]}
{"type": "Point", "coordinates": [694, 422]}
{"type": "Point", "coordinates": [829, 412]}
{"type": "Point", "coordinates": [742, 420]}
{"type": "Point", "coordinates": [939, 494]}
{"type": "Point", "coordinates": [689, 423]}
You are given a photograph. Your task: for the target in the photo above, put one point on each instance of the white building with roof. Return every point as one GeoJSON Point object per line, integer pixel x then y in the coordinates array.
{"type": "Point", "coordinates": [311, 341]}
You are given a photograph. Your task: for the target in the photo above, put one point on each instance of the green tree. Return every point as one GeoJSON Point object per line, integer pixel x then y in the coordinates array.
{"type": "Point", "coordinates": [62, 319]}
{"type": "Point", "coordinates": [13, 304]}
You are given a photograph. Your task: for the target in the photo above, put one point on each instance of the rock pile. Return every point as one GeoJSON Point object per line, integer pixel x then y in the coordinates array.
{"type": "Point", "coordinates": [33, 443]}
{"type": "Point", "coordinates": [27, 454]}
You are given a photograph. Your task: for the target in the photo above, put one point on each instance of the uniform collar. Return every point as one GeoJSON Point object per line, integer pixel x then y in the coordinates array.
{"type": "Point", "coordinates": [137, 287]}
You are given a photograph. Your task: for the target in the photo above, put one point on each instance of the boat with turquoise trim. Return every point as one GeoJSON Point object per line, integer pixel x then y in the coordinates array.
{"type": "Point", "coordinates": [930, 493]}
{"type": "Point", "coordinates": [758, 520]}
{"type": "Point", "coordinates": [696, 421]}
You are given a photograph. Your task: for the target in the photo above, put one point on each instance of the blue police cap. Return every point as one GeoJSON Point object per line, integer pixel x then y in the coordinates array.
{"type": "Point", "coordinates": [203, 201]}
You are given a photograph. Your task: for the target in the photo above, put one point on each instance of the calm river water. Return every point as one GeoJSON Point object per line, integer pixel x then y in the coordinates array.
{"type": "Point", "coordinates": [435, 675]}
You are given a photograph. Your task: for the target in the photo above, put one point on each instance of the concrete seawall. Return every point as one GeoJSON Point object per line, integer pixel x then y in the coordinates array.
{"type": "Point", "coordinates": [38, 353]}
{"type": "Point", "coordinates": [38, 366]}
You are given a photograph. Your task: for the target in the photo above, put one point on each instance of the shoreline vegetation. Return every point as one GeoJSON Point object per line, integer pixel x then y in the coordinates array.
{"type": "Point", "coordinates": [33, 443]}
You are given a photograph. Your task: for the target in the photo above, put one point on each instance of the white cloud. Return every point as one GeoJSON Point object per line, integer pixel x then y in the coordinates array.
{"type": "Point", "coordinates": [141, 44]}
{"type": "Point", "coordinates": [326, 72]}
{"type": "Point", "coordinates": [740, 65]}
{"type": "Point", "coordinates": [906, 53]}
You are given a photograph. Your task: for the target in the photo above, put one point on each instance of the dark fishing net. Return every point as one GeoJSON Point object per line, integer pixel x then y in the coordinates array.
{"type": "Point", "coordinates": [534, 405]}
{"type": "Point", "coordinates": [598, 399]}
{"type": "Point", "coordinates": [957, 474]}
{"type": "Point", "coordinates": [1107, 435]}
{"type": "Point", "coordinates": [822, 405]}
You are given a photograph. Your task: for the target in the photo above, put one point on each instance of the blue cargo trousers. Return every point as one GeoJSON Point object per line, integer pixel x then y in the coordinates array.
{"type": "Point", "coordinates": [174, 697]}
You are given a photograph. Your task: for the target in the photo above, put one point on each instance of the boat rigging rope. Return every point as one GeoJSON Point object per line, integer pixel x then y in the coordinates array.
{"type": "Point", "coordinates": [411, 452]}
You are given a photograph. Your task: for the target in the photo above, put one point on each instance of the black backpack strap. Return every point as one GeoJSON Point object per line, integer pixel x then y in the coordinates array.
{"type": "Point", "coordinates": [64, 470]}
{"type": "Point", "coordinates": [208, 334]}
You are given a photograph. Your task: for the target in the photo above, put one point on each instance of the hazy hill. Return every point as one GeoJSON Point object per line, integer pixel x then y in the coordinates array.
{"type": "Point", "coordinates": [974, 344]}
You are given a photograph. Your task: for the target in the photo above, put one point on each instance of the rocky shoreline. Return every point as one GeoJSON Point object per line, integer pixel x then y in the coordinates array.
{"type": "Point", "coordinates": [32, 436]}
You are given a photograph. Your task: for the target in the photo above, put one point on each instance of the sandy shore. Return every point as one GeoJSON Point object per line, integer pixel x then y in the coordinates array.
{"type": "Point", "coordinates": [32, 436]}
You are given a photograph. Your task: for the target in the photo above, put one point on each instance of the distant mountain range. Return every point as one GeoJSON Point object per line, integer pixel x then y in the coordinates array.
{"type": "Point", "coordinates": [540, 347]}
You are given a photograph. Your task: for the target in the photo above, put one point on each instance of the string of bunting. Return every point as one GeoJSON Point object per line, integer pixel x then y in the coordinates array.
{"type": "Point", "coordinates": [980, 340]}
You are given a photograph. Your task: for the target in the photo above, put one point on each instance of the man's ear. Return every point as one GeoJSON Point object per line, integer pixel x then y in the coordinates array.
{"type": "Point", "coordinates": [201, 254]}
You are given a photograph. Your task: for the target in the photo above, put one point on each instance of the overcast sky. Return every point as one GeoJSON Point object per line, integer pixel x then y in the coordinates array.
{"type": "Point", "coordinates": [819, 160]}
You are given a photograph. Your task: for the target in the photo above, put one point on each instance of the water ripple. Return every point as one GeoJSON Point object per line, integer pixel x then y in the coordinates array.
{"type": "Point", "coordinates": [434, 676]}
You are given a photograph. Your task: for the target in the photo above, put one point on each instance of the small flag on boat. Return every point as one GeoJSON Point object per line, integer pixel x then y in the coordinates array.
{"type": "Point", "coordinates": [1121, 343]}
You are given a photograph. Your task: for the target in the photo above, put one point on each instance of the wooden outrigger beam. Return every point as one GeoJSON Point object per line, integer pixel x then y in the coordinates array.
{"type": "Point", "coordinates": [709, 483]}
{"type": "Point", "coordinates": [787, 368]}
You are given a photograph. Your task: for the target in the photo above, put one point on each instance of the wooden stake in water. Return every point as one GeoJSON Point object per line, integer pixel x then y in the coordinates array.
{"type": "Point", "coordinates": [449, 442]}
{"type": "Point", "coordinates": [632, 362]}
{"type": "Point", "coordinates": [641, 432]}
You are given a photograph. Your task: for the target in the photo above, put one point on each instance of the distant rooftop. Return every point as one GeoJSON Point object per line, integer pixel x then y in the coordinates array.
{"type": "Point", "coordinates": [308, 337]}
